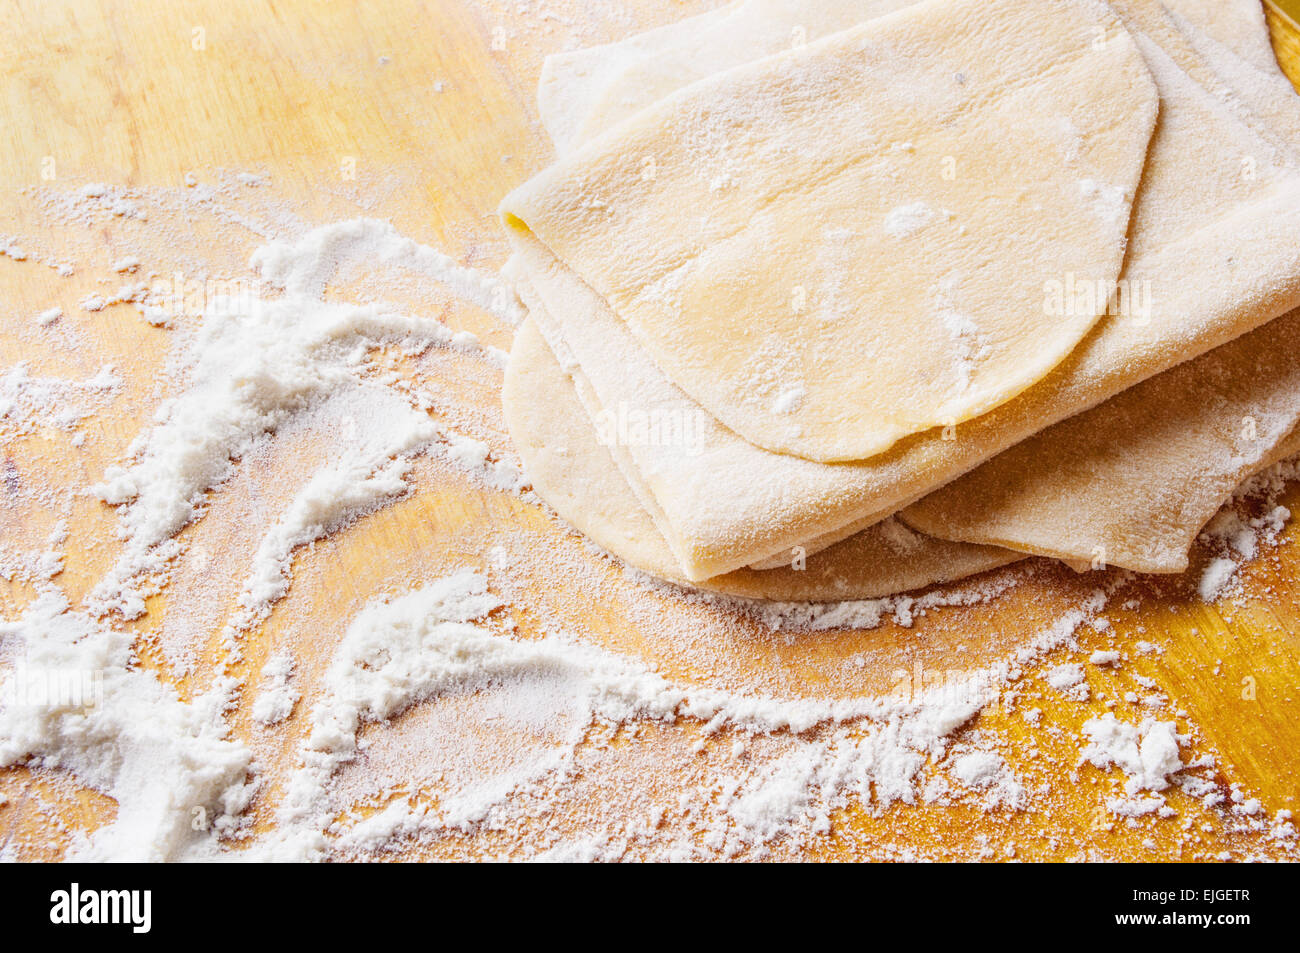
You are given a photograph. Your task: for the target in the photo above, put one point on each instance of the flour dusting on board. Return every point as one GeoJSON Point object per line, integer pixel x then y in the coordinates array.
{"type": "Point", "coordinates": [245, 679]}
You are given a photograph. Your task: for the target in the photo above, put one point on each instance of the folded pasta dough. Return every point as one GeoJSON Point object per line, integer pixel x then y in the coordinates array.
{"type": "Point", "coordinates": [1132, 482]}
{"type": "Point", "coordinates": [1236, 25]}
{"type": "Point", "coordinates": [575, 83]}
{"type": "Point", "coordinates": [1236, 36]}
{"type": "Point", "coordinates": [1103, 485]}
{"type": "Point", "coordinates": [584, 92]}
{"type": "Point", "coordinates": [873, 217]}
{"type": "Point", "coordinates": [782, 503]}
{"type": "Point", "coordinates": [581, 94]}
{"type": "Point", "coordinates": [574, 472]}
{"type": "Point", "coordinates": [1224, 45]}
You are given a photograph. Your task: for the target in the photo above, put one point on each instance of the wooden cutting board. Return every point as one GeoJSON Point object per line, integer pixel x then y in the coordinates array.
{"type": "Point", "coordinates": [423, 113]}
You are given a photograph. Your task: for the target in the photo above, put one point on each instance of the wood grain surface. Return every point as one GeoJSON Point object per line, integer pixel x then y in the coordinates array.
{"type": "Point", "coordinates": [423, 113]}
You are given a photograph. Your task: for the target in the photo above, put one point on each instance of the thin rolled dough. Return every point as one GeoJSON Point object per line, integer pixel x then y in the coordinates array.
{"type": "Point", "coordinates": [1199, 304]}
{"type": "Point", "coordinates": [1132, 482]}
{"type": "Point", "coordinates": [576, 474]}
{"type": "Point", "coordinates": [582, 95]}
{"type": "Point", "coordinates": [844, 244]}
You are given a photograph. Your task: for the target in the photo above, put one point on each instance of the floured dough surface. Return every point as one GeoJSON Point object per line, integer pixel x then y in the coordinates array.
{"type": "Point", "coordinates": [1132, 482]}
{"type": "Point", "coordinates": [844, 244]}
{"type": "Point", "coordinates": [1205, 265]}
{"type": "Point", "coordinates": [577, 475]}
{"type": "Point", "coordinates": [1236, 25]}
{"type": "Point", "coordinates": [620, 79]}
{"type": "Point", "coordinates": [563, 460]}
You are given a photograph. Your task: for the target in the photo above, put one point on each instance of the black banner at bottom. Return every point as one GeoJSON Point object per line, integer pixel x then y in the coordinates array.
{"type": "Point", "coordinates": [337, 902]}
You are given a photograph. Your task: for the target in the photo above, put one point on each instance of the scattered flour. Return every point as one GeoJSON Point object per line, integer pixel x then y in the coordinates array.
{"type": "Point", "coordinates": [372, 474]}
{"type": "Point", "coordinates": [258, 362]}
{"type": "Point", "coordinates": [1147, 753]}
{"type": "Point", "coordinates": [276, 700]}
{"type": "Point", "coordinates": [906, 220]}
{"type": "Point", "coordinates": [28, 402]}
{"type": "Point", "coordinates": [1216, 577]}
{"type": "Point", "coordinates": [1109, 202]}
{"type": "Point", "coordinates": [1069, 680]}
{"type": "Point", "coordinates": [1239, 537]}
{"type": "Point", "coordinates": [303, 267]}
{"type": "Point", "coordinates": [989, 773]}
{"type": "Point", "coordinates": [167, 763]}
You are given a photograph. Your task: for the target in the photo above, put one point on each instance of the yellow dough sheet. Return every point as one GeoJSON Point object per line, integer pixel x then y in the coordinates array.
{"type": "Point", "coordinates": [1132, 483]}
{"type": "Point", "coordinates": [577, 475]}
{"type": "Point", "coordinates": [722, 502]}
{"type": "Point", "coordinates": [844, 244]}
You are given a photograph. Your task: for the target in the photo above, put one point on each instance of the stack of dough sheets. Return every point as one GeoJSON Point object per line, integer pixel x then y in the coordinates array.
{"type": "Point", "coordinates": [836, 299]}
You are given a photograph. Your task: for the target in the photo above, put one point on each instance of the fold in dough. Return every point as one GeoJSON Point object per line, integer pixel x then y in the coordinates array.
{"type": "Point", "coordinates": [786, 504]}
{"type": "Point", "coordinates": [1228, 50]}
{"type": "Point", "coordinates": [1131, 483]}
{"type": "Point", "coordinates": [872, 218]}
{"type": "Point", "coordinates": [574, 83]}
{"type": "Point", "coordinates": [582, 94]}
{"type": "Point", "coordinates": [1236, 25]}
{"type": "Point", "coordinates": [620, 78]}
{"type": "Point", "coordinates": [572, 471]}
